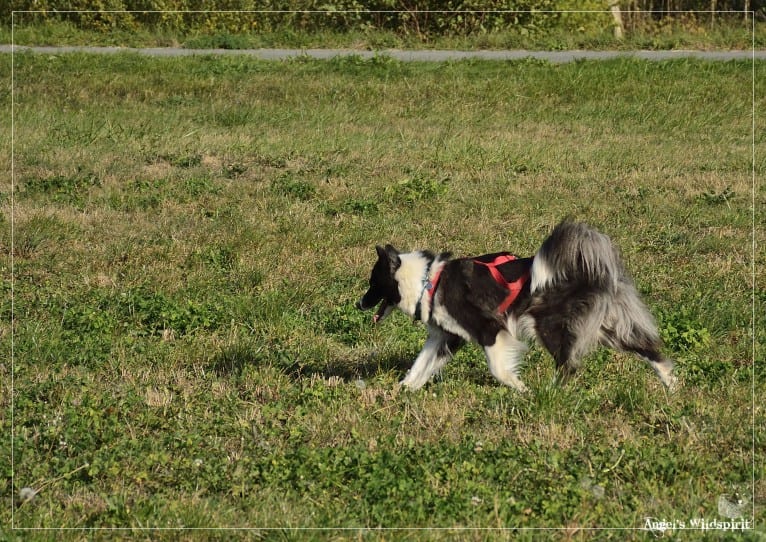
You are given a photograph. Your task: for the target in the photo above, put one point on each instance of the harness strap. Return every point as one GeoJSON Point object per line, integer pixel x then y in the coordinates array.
{"type": "Point", "coordinates": [514, 288]}
{"type": "Point", "coordinates": [430, 287]}
{"type": "Point", "coordinates": [433, 283]}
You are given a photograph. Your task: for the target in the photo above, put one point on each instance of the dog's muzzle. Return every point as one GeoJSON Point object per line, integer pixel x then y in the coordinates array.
{"type": "Point", "coordinates": [381, 313]}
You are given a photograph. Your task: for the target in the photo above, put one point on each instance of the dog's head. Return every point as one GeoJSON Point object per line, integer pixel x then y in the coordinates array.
{"type": "Point", "coordinates": [384, 288]}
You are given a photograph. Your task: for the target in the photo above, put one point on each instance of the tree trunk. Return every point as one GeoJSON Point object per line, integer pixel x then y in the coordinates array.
{"type": "Point", "coordinates": [619, 29]}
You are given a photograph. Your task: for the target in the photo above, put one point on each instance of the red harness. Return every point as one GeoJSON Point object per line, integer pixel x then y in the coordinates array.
{"type": "Point", "coordinates": [514, 288]}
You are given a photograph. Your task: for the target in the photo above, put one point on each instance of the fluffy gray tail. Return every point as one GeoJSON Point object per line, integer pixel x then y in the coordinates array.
{"type": "Point", "coordinates": [581, 264]}
{"type": "Point", "coordinates": [575, 252]}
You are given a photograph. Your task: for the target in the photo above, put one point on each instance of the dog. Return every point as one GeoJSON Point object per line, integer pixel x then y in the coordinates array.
{"type": "Point", "coordinates": [571, 296]}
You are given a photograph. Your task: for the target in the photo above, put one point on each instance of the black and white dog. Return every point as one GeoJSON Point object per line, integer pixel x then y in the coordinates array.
{"type": "Point", "coordinates": [572, 296]}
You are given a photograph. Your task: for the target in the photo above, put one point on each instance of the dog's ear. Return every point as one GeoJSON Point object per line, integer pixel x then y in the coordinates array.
{"type": "Point", "coordinates": [389, 254]}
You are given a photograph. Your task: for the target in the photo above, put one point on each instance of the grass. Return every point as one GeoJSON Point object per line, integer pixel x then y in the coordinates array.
{"type": "Point", "coordinates": [190, 235]}
{"type": "Point", "coordinates": [682, 34]}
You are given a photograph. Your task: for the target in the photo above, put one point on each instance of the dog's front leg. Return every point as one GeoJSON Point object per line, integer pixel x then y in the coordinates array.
{"type": "Point", "coordinates": [434, 355]}
{"type": "Point", "coordinates": [504, 358]}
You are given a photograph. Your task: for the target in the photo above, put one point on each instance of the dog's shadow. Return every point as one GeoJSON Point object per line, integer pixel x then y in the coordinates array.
{"type": "Point", "coordinates": [234, 359]}
{"type": "Point", "coordinates": [364, 369]}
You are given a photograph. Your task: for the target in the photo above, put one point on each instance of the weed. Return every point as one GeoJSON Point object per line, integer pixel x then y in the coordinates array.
{"type": "Point", "coordinates": [345, 323]}
{"type": "Point", "coordinates": [184, 160]}
{"type": "Point", "coordinates": [289, 186]}
{"type": "Point", "coordinates": [221, 258]}
{"type": "Point", "coordinates": [363, 207]}
{"type": "Point", "coordinates": [69, 189]}
{"type": "Point", "coordinates": [416, 189]}
{"type": "Point", "coordinates": [143, 311]}
{"type": "Point", "coordinates": [682, 332]}
{"type": "Point", "coordinates": [697, 362]}
{"type": "Point", "coordinates": [139, 195]}
{"type": "Point", "coordinates": [194, 187]}
{"type": "Point", "coordinates": [716, 198]}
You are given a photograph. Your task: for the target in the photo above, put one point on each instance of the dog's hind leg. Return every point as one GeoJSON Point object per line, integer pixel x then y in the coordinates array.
{"type": "Point", "coordinates": [643, 340]}
{"type": "Point", "coordinates": [504, 358]}
{"type": "Point", "coordinates": [553, 334]}
{"type": "Point", "coordinates": [571, 331]}
{"type": "Point", "coordinates": [662, 366]}
{"type": "Point", "coordinates": [631, 328]}
{"type": "Point", "coordinates": [436, 352]}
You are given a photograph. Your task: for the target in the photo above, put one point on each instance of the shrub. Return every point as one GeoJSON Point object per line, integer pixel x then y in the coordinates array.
{"type": "Point", "coordinates": [422, 18]}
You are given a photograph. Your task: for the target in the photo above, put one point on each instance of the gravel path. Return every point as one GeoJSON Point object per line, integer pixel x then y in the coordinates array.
{"type": "Point", "coordinates": [408, 55]}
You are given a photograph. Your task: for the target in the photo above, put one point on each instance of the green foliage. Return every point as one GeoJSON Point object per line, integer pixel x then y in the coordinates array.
{"type": "Point", "coordinates": [684, 334]}
{"type": "Point", "coordinates": [71, 189]}
{"type": "Point", "coordinates": [681, 331]}
{"type": "Point", "coordinates": [139, 195]}
{"type": "Point", "coordinates": [345, 323]}
{"type": "Point", "coordinates": [145, 311]}
{"type": "Point", "coordinates": [352, 207]}
{"type": "Point", "coordinates": [234, 116]}
{"type": "Point", "coordinates": [185, 160]}
{"type": "Point", "coordinates": [378, 65]}
{"type": "Point", "coordinates": [289, 185]}
{"type": "Point", "coordinates": [457, 24]}
{"type": "Point", "coordinates": [236, 24]}
{"type": "Point", "coordinates": [221, 258]}
{"type": "Point", "coordinates": [416, 189]}
{"type": "Point", "coordinates": [242, 16]}
{"type": "Point", "coordinates": [137, 312]}
{"type": "Point", "coordinates": [87, 334]}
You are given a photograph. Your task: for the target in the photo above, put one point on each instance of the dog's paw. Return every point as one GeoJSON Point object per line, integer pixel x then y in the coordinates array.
{"type": "Point", "coordinates": [671, 383]}
{"type": "Point", "coordinates": [520, 387]}
{"type": "Point", "coordinates": [514, 382]}
{"type": "Point", "coordinates": [664, 370]}
{"type": "Point", "coordinates": [411, 384]}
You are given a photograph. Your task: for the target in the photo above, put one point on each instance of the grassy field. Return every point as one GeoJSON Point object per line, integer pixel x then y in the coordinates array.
{"type": "Point", "coordinates": [190, 235]}
{"type": "Point", "coordinates": [701, 34]}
